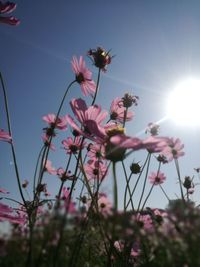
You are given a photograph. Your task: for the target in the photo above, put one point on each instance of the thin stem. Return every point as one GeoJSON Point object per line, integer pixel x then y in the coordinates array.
{"type": "Point", "coordinates": [128, 187]}
{"type": "Point", "coordinates": [12, 145]}
{"type": "Point", "coordinates": [179, 178]}
{"type": "Point", "coordinates": [38, 160]}
{"type": "Point", "coordinates": [147, 196]}
{"type": "Point", "coordinates": [164, 192]}
{"type": "Point", "coordinates": [125, 115]}
{"type": "Point", "coordinates": [115, 188]}
{"type": "Point", "coordinates": [97, 87]}
{"type": "Point", "coordinates": [138, 179]}
{"type": "Point", "coordinates": [145, 180]}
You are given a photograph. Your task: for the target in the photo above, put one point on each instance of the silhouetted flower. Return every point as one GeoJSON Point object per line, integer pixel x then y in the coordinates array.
{"type": "Point", "coordinates": [100, 57]}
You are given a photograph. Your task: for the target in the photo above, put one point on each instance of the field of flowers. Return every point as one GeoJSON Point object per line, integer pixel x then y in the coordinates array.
{"type": "Point", "coordinates": [86, 227]}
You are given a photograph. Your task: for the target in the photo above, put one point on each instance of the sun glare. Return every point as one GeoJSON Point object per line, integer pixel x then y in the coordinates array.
{"type": "Point", "coordinates": [184, 103]}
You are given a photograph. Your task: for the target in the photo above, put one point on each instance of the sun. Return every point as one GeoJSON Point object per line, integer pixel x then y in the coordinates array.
{"type": "Point", "coordinates": [183, 105]}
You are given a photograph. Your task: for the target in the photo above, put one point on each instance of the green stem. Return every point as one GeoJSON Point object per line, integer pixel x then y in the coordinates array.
{"type": "Point", "coordinates": [164, 192]}
{"type": "Point", "coordinates": [12, 145]}
{"type": "Point", "coordinates": [128, 187]}
{"type": "Point", "coordinates": [145, 180]}
{"type": "Point", "coordinates": [179, 179]}
{"type": "Point", "coordinates": [115, 188]}
{"type": "Point", "coordinates": [138, 179]}
{"type": "Point", "coordinates": [97, 87]}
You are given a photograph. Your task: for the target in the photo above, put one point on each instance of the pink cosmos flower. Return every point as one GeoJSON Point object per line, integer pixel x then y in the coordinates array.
{"type": "Point", "coordinates": [4, 136]}
{"type": "Point", "coordinates": [90, 118]}
{"type": "Point", "coordinates": [157, 178]}
{"type": "Point", "coordinates": [61, 123]}
{"type": "Point", "coordinates": [146, 221]}
{"type": "Point", "coordinates": [72, 146]}
{"type": "Point", "coordinates": [117, 111]}
{"type": "Point", "coordinates": [68, 204]}
{"type": "Point", "coordinates": [96, 151]}
{"type": "Point", "coordinates": [83, 76]}
{"type": "Point", "coordinates": [49, 168]}
{"type": "Point", "coordinates": [152, 144]}
{"type": "Point", "coordinates": [6, 214]}
{"type": "Point", "coordinates": [174, 149]}
{"type": "Point", "coordinates": [120, 245]}
{"type": "Point", "coordinates": [6, 8]}
{"type": "Point", "coordinates": [104, 204]}
{"type": "Point", "coordinates": [96, 170]}
{"type": "Point", "coordinates": [3, 191]}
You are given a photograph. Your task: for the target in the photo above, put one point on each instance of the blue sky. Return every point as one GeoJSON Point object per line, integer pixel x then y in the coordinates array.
{"type": "Point", "coordinates": [156, 44]}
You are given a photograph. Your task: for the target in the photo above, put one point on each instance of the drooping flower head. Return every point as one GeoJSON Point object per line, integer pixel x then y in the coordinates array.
{"type": "Point", "coordinates": [83, 76]}
{"type": "Point", "coordinates": [4, 136]}
{"type": "Point", "coordinates": [6, 8]}
{"type": "Point", "coordinates": [117, 111]}
{"type": "Point", "coordinates": [100, 57]}
{"type": "Point", "coordinates": [157, 178]}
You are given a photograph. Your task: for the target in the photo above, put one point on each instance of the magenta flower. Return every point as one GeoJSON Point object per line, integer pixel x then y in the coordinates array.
{"type": "Point", "coordinates": [174, 149]}
{"type": "Point", "coordinates": [72, 146]}
{"type": "Point", "coordinates": [90, 118]}
{"type": "Point", "coordinates": [6, 8]}
{"type": "Point", "coordinates": [4, 136]}
{"type": "Point", "coordinates": [117, 111]}
{"type": "Point", "coordinates": [61, 123]}
{"type": "Point", "coordinates": [157, 178]}
{"type": "Point", "coordinates": [95, 170]}
{"type": "Point", "coordinates": [83, 76]}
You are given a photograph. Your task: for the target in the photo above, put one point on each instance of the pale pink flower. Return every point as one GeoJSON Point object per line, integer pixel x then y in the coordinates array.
{"type": "Point", "coordinates": [95, 170]}
{"type": "Point", "coordinates": [61, 122]}
{"type": "Point", "coordinates": [96, 151]}
{"type": "Point", "coordinates": [6, 8]}
{"type": "Point", "coordinates": [72, 146]}
{"type": "Point", "coordinates": [157, 178]}
{"type": "Point", "coordinates": [117, 111]}
{"type": "Point", "coordinates": [173, 150]}
{"type": "Point", "coordinates": [152, 144]}
{"type": "Point", "coordinates": [145, 220]}
{"type": "Point", "coordinates": [5, 136]}
{"type": "Point", "coordinates": [49, 168]}
{"type": "Point", "coordinates": [83, 76]}
{"type": "Point", "coordinates": [104, 204]}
